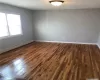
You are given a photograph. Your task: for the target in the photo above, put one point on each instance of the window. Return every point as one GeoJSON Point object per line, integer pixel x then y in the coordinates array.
{"type": "Point", "coordinates": [10, 24]}
{"type": "Point", "coordinates": [3, 25]}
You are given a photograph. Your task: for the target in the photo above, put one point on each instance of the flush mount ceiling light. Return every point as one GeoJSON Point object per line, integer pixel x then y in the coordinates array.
{"type": "Point", "coordinates": [56, 3]}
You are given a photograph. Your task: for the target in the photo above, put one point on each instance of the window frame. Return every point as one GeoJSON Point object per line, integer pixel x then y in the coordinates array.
{"type": "Point", "coordinates": [9, 35]}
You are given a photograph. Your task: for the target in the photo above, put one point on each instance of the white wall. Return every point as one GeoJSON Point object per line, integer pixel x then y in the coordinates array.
{"type": "Point", "coordinates": [26, 19]}
{"type": "Point", "coordinates": [67, 25]}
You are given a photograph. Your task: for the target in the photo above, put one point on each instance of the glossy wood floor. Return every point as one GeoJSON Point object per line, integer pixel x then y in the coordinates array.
{"type": "Point", "coordinates": [52, 61]}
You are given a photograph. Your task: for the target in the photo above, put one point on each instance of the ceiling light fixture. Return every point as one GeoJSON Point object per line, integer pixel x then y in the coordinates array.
{"type": "Point", "coordinates": [56, 3]}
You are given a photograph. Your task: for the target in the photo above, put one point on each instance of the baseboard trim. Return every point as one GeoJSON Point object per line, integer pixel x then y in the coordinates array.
{"type": "Point", "coordinates": [48, 41]}
{"type": "Point", "coordinates": [98, 46]}
{"type": "Point", "coordinates": [7, 50]}
{"type": "Point", "coordinates": [65, 42]}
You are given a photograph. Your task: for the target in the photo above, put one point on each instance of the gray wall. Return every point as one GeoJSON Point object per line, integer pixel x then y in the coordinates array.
{"type": "Point", "coordinates": [67, 25]}
{"type": "Point", "coordinates": [60, 25]}
{"type": "Point", "coordinates": [99, 41]}
{"type": "Point", "coordinates": [26, 19]}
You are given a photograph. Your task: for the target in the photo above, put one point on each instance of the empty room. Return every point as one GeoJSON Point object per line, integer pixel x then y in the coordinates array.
{"type": "Point", "coordinates": [49, 39]}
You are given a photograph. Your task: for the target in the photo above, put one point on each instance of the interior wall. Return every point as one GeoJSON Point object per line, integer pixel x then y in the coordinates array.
{"type": "Point", "coordinates": [99, 41]}
{"type": "Point", "coordinates": [8, 43]}
{"type": "Point", "coordinates": [54, 25]}
{"type": "Point", "coordinates": [67, 25]}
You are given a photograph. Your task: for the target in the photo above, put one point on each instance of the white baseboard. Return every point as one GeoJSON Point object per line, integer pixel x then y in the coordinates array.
{"type": "Point", "coordinates": [47, 41]}
{"type": "Point", "coordinates": [99, 46]}
{"type": "Point", "coordinates": [2, 51]}
{"type": "Point", "coordinates": [65, 42]}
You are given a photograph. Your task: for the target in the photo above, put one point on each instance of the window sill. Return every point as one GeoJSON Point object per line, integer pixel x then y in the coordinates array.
{"type": "Point", "coordinates": [5, 37]}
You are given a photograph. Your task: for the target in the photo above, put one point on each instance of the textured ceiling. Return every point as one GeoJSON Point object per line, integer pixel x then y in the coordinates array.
{"type": "Point", "coordinates": [45, 5]}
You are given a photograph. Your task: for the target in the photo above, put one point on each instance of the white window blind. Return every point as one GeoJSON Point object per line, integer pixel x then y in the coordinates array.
{"type": "Point", "coordinates": [14, 24]}
{"type": "Point", "coordinates": [3, 25]}
{"type": "Point", "coordinates": [10, 24]}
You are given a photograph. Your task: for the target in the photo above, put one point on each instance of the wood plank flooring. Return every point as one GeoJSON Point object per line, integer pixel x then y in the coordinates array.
{"type": "Point", "coordinates": [52, 61]}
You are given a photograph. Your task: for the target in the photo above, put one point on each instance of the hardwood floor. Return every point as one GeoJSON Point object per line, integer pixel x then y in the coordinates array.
{"type": "Point", "coordinates": [52, 61]}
